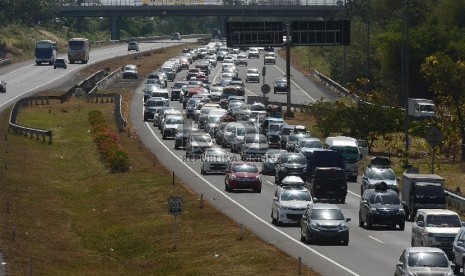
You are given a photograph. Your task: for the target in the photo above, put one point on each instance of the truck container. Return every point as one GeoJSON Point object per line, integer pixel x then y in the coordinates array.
{"type": "Point", "coordinates": [421, 108]}
{"type": "Point", "coordinates": [422, 191]}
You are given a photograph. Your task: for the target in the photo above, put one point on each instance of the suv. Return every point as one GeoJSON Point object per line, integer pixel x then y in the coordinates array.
{"type": "Point", "coordinates": [381, 206]}
{"type": "Point", "coordinates": [270, 58]}
{"type": "Point", "coordinates": [253, 147]}
{"type": "Point", "coordinates": [290, 164]}
{"type": "Point", "coordinates": [290, 202]}
{"type": "Point", "coordinates": [435, 228]}
{"type": "Point", "coordinates": [176, 90]}
{"type": "Point", "coordinates": [273, 134]}
{"type": "Point", "coordinates": [322, 221]}
{"type": "Point", "coordinates": [197, 143]}
{"type": "Point", "coordinates": [60, 63]}
{"type": "Point", "coordinates": [286, 130]}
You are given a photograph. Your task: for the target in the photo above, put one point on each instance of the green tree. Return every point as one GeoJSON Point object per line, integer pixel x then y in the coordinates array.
{"type": "Point", "coordinates": [446, 77]}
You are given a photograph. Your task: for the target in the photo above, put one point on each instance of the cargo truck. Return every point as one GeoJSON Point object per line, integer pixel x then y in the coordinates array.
{"type": "Point", "coordinates": [421, 108]}
{"type": "Point", "coordinates": [422, 191]}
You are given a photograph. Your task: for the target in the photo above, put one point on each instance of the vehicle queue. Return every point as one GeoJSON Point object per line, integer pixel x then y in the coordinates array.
{"type": "Point", "coordinates": [213, 115]}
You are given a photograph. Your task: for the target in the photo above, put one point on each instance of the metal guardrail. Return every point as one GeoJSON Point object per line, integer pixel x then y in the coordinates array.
{"type": "Point", "coordinates": [204, 3]}
{"type": "Point", "coordinates": [455, 201]}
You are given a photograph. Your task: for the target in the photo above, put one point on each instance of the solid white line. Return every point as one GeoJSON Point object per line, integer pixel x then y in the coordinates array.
{"type": "Point", "coordinates": [298, 242]}
{"type": "Point", "coordinates": [371, 237]}
{"type": "Point", "coordinates": [269, 182]}
{"type": "Point", "coordinates": [297, 85]}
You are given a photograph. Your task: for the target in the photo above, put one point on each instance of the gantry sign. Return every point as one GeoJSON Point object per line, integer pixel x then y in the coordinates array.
{"type": "Point", "coordinates": [302, 33]}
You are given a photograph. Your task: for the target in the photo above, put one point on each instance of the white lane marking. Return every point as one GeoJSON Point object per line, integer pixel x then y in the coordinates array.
{"type": "Point", "coordinates": [353, 194]}
{"type": "Point", "coordinates": [298, 242]}
{"type": "Point", "coordinates": [250, 92]}
{"type": "Point", "coordinates": [269, 182]}
{"type": "Point", "coordinates": [297, 85]}
{"type": "Point", "coordinates": [371, 237]}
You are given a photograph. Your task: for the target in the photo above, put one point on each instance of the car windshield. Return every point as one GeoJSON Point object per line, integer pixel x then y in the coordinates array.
{"type": "Point", "coordinates": [384, 199]}
{"type": "Point", "coordinates": [297, 195]}
{"type": "Point", "coordinates": [173, 121]}
{"type": "Point", "coordinates": [255, 139]}
{"type": "Point", "coordinates": [252, 71]}
{"type": "Point", "coordinates": [213, 120]}
{"type": "Point", "coordinates": [281, 81]}
{"type": "Point", "coordinates": [244, 168]}
{"type": "Point", "coordinates": [381, 175]}
{"type": "Point", "coordinates": [350, 154]}
{"type": "Point", "coordinates": [201, 139]}
{"type": "Point", "coordinates": [311, 144]}
{"type": "Point", "coordinates": [178, 85]}
{"type": "Point", "coordinates": [154, 103]}
{"type": "Point", "coordinates": [428, 259]}
{"type": "Point", "coordinates": [274, 127]}
{"type": "Point", "coordinates": [327, 214]}
{"type": "Point", "coordinates": [443, 221]}
{"type": "Point", "coordinates": [287, 131]}
{"type": "Point", "coordinates": [296, 137]}
{"type": "Point", "coordinates": [295, 159]}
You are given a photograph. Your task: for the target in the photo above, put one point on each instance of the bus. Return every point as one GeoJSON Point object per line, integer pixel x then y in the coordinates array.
{"type": "Point", "coordinates": [78, 50]}
{"type": "Point", "coordinates": [45, 51]}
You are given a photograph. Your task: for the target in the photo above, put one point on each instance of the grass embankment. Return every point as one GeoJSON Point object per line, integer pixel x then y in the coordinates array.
{"type": "Point", "coordinates": [73, 217]}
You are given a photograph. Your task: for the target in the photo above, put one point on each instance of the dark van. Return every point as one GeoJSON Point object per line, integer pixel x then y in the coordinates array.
{"type": "Point", "coordinates": [322, 158]}
{"type": "Point", "coordinates": [328, 183]}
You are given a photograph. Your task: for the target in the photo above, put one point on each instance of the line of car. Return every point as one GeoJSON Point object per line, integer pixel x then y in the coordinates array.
{"type": "Point", "coordinates": [307, 187]}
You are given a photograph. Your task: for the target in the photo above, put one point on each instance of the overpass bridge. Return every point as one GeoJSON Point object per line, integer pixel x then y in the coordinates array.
{"type": "Point", "coordinates": [116, 9]}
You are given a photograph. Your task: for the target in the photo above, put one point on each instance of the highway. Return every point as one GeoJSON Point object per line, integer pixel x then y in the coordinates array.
{"type": "Point", "coordinates": [370, 252]}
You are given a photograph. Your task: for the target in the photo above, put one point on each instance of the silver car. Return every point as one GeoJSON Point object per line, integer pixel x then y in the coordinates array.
{"type": "Point", "coordinates": [423, 261]}
{"type": "Point", "coordinates": [323, 221]}
{"type": "Point", "coordinates": [290, 203]}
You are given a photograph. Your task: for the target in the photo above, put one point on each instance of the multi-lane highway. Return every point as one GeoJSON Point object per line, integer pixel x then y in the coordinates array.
{"type": "Point", "coordinates": [370, 252]}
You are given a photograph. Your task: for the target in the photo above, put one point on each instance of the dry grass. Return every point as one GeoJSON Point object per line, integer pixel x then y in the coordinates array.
{"type": "Point", "coordinates": [72, 217]}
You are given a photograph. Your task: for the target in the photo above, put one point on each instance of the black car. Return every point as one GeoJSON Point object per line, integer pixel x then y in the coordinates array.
{"type": "Point", "coordinates": [151, 106]}
{"type": "Point", "coordinates": [273, 134]}
{"type": "Point", "coordinates": [381, 206]}
{"type": "Point", "coordinates": [2, 86]}
{"type": "Point", "coordinates": [293, 139]}
{"type": "Point", "coordinates": [286, 130]}
{"type": "Point", "coordinates": [60, 63]}
{"type": "Point", "coordinates": [176, 90]}
{"type": "Point", "coordinates": [328, 183]}
{"type": "Point", "coordinates": [290, 164]}
{"type": "Point", "coordinates": [280, 85]}
{"type": "Point", "coordinates": [182, 134]}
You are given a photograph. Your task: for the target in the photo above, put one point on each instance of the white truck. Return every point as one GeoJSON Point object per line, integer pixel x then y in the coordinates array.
{"type": "Point", "coordinates": [421, 108]}
{"type": "Point", "coordinates": [348, 148]}
{"type": "Point", "coordinates": [422, 191]}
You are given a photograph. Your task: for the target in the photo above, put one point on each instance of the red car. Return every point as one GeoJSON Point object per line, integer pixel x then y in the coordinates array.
{"type": "Point", "coordinates": [243, 175]}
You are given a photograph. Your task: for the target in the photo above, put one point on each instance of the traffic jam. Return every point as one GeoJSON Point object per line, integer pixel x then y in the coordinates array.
{"type": "Point", "coordinates": [205, 105]}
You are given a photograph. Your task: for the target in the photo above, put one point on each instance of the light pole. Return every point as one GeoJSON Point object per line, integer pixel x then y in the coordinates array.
{"type": "Point", "coordinates": [405, 71]}
{"type": "Point", "coordinates": [288, 68]}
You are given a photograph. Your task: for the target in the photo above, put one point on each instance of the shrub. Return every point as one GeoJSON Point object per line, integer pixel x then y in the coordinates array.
{"type": "Point", "coordinates": [106, 139]}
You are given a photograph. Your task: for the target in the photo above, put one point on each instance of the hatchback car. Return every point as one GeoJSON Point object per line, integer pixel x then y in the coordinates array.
{"type": "Point", "coordinates": [252, 74]}
{"type": "Point", "coordinates": [133, 46]}
{"type": "Point", "coordinates": [215, 160]}
{"type": "Point", "coordinates": [423, 261]}
{"type": "Point", "coordinates": [270, 159]}
{"type": "Point", "coordinates": [322, 222]}
{"type": "Point", "coordinates": [241, 175]}
{"type": "Point", "coordinates": [290, 203]}
{"type": "Point", "coordinates": [280, 85]}
{"type": "Point", "coordinates": [60, 63]}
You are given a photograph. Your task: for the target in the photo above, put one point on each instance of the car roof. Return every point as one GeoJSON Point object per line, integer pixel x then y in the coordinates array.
{"type": "Point", "coordinates": [423, 249]}
{"type": "Point", "coordinates": [325, 206]}
{"type": "Point", "coordinates": [292, 154]}
{"type": "Point", "coordinates": [437, 212]}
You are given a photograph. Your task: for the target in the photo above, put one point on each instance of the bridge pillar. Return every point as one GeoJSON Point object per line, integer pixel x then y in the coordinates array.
{"type": "Point", "coordinates": [222, 28]}
{"type": "Point", "coordinates": [115, 27]}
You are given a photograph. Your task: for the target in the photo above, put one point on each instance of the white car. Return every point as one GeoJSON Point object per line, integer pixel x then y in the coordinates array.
{"type": "Point", "coordinates": [253, 52]}
{"type": "Point", "coordinates": [270, 58]}
{"type": "Point", "coordinates": [290, 202]}
{"type": "Point", "coordinates": [215, 160]}
{"type": "Point", "coordinates": [170, 125]}
{"type": "Point", "coordinates": [252, 75]}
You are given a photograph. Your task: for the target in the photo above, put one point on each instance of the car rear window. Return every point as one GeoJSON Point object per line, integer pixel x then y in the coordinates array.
{"type": "Point", "coordinates": [244, 168]}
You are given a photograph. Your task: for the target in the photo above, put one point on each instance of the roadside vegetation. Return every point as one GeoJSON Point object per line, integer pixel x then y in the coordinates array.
{"type": "Point", "coordinates": [66, 213]}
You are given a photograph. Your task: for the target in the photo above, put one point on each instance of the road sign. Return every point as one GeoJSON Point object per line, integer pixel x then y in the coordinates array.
{"type": "Point", "coordinates": [248, 34]}
{"type": "Point", "coordinates": [320, 32]}
{"type": "Point", "coordinates": [434, 137]}
{"type": "Point", "coordinates": [175, 205]}
{"type": "Point", "coordinates": [265, 89]}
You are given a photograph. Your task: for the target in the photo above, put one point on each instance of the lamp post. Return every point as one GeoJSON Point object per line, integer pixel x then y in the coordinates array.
{"type": "Point", "coordinates": [405, 63]}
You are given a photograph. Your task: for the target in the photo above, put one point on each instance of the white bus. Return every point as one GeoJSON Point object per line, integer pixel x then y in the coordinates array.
{"type": "Point", "coordinates": [78, 50]}
{"type": "Point", "coordinates": [348, 148]}
{"type": "Point", "coordinates": [45, 51]}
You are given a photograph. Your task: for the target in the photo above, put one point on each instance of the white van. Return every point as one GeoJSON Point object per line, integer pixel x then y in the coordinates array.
{"type": "Point", "coordinates": [348, 148]}
{"type": "Point", "coordinates": [161, 92]}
